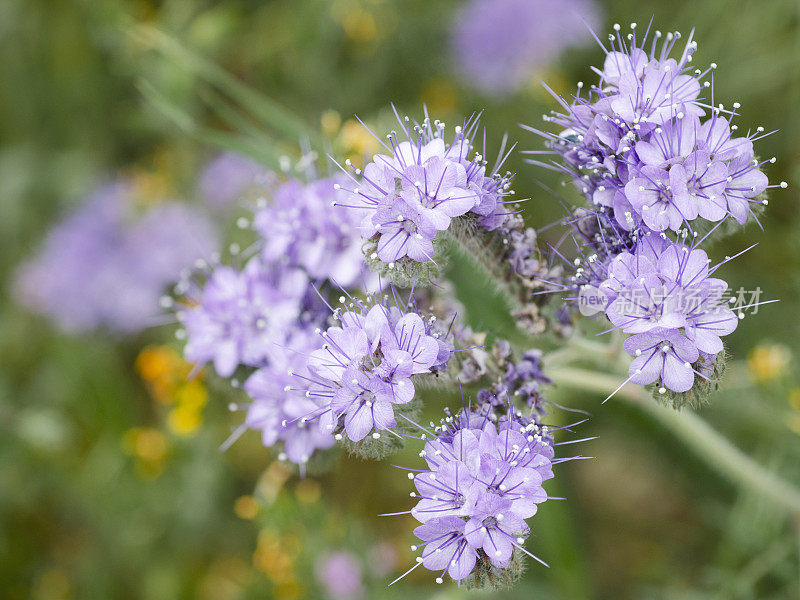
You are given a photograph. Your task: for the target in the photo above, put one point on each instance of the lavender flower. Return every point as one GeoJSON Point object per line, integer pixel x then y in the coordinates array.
{"type": "Point", "coordinates": [500, 44]}
{"type": "Point", "coordinates": [662, 354]}
{"type": "Point", "coordinates": [227, 177]}
{"type": "Point", "coordinates": [277, 412]}
{"type": "Point", "coordinates": [238, 316]}
{"type": "Point", "coordinates": [340, 575]}
{"type": "Point", "coordinates": [366, 368]}
{"type": "Point", "coordinates": [104, 267]}
{"type": "Point", "coordinates": [637, 144]}
{"type": "Point", "coordinates": [655, 159]}
{"type": "Point", "coordinates": [300, 227]}
{"type": "Point", "coordinates": [413, 194]}
{"type": "Point", "coordinates": [483, 478]}
{"type": "Point", "coordinates": [446, 548]}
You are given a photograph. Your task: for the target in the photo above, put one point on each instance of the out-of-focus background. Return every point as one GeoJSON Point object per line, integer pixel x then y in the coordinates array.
{"type": "Point", "coordinates": [112, 484]}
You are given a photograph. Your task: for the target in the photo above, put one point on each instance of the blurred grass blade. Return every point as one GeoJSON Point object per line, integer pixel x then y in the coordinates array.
{"type": "Point", "coordinates": [268, 111]}
{"type": "Point", "coordinates": [259, 149]}
{"type": "Point", "coordinates": [235, 119]}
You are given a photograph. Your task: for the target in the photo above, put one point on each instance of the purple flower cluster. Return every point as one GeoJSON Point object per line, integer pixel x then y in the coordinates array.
{"type": "Point", "coordinates": [500, 44]}
{"type": "Point", "coordinates": [483, 479]}
{"type": "Point", "coordinates": [366, 367]}
{"type": "Point", "coordinates": [521, 380]}
{"type": "Point", "coordinates": [277, 412]}
{"type": "Point", "coordinates": [663, 295]}
{"type": "Point", "coordinates": [237, 317]}
{"type": "Point", "coordinates": [639, 144]}
{"type": "Point", "coordinates": [107, 264]}
{"type": "Point", "coordinates": [300, 227]}
{"type": "Point", "coordinates": [261, 318]}
{"type": "Point", "coordinates": [413, 193]}
{"type": "Point", "coordinates": [656, 160]}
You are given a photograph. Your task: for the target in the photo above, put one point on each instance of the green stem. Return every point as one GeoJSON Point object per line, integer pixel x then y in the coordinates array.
{"type": "Point", "coordinates": [699, 436]}
{"type": "Point", "coordinates": [472, 246]}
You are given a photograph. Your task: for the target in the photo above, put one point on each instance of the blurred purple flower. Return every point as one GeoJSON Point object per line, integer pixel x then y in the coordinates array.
{"type": "Point", "coordinates": [226, 177]}
{"type": "Point", "coordinates": [499, 44]}
{"type": "Point", "coordinates": [277, 412]}
{"type": "Point", "coordinates": [102, 267]}
{"type": "Point", "coordinates": [237, 317]}
{"type": "Point", "coordinates": [340, 576]}
{"type": "Point", "coordinates": [301, 227]}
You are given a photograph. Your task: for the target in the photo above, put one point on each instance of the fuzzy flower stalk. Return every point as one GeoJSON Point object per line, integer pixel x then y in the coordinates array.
{"type": "Point", "coordinates": [662, 169]}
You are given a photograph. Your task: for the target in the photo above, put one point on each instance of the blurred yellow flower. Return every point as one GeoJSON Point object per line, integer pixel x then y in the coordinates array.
{"type": "Point", "coordinates": [246, 507]}
{"type": "Point", "coordinates": [192, 394]}
{"type": "Point", "coordinates": [356, 142]}
{"type": "Point", "coordinates": [330, 121]}
{"type": "Point", "coordinates": [149, 447]}
{"type": "Point", "coordinates": [164, 371]}
{"type": "Point", "coordinates": [224, 579]}
{"type": "Point", "coordinates": [146, 443]}
{"type": "Point", "coordinates": [184, 420]}
{"type": "Point", "coordinates": [766, 363]}
{"type": "Point", "coordinates": [155, 362]}
{"type": "Point", "coordinates": [271, 559]}
{"type": "Point", "coordinates": [271, 481]}
{"type": "Point", "coordinates": [359, 25]}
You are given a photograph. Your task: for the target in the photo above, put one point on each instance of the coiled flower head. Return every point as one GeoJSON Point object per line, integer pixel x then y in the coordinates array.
{"type": "Point", "coordinates": [661, 167]}
{"type": "Point", "coordinates": [412, 193]}
{"type": "Point", "coordinates": [483, 479]}
{"type": "Point", "coordinates": [300, 227]}
{"type": "Point", "coordinates": [363, 375]}
{"type": "Point", "coordinates": [648, 145]}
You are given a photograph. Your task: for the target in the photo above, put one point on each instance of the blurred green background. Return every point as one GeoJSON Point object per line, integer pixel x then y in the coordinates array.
{"type": "Point", "coordinates": [111, 481]}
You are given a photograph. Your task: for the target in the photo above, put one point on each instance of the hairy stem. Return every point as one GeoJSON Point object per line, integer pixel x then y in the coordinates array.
{"type": "Point", "coordinates": [482, 253]}
{"type": "Point", "coordinates": [720, 455]}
